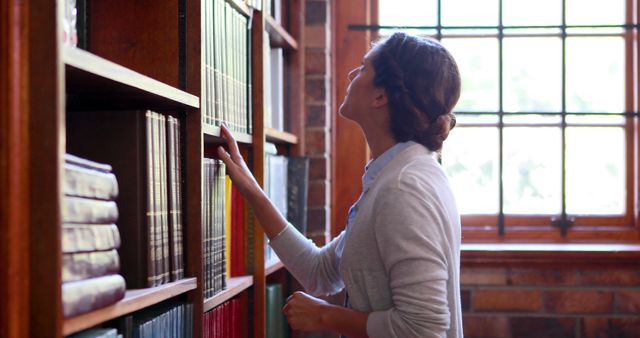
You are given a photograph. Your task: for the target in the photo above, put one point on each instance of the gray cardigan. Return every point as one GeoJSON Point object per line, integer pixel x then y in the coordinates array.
{"type": "Point", "coordinates": [401, 258]}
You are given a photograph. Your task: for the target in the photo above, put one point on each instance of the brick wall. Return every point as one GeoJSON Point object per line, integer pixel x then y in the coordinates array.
{"type": "Point", "coordinates": [317, 116]}
{"type": "Point", "coordinates": [536, 302]}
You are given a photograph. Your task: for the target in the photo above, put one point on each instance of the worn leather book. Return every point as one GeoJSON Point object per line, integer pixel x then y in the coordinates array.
{"type": "Point", "coordinates": [81, 181]}
{"type": "Point", "coordinates": [84, 265]}
{"type": "Point", "coordinates": [89, 237]}
{"type": "Point", "coordinates": [91, 294]}
{"type": "Point", "coordinates": [88, 211]}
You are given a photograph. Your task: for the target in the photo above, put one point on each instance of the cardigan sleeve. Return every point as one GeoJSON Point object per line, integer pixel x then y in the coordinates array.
{"type": "Point", "coordinates": [408, 230]}
{"type": "Point", "coordinates": [315, 268]}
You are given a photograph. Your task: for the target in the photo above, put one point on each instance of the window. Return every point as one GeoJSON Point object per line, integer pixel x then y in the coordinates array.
{"type": "Point", "coordinates": [544, 146]}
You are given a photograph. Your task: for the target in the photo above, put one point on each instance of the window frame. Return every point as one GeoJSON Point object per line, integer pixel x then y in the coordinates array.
{"type": "Point", "coordinates": [541, 228]}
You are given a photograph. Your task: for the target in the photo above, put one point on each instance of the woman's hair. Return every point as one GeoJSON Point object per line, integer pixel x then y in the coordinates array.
{"type": "Point", "coordinates": [422, 83]}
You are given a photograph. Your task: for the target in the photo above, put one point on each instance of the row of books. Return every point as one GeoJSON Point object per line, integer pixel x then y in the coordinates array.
{"type": "Point", "coordinates": [90, 238]}
{"type": "Point", "coordinates": [214, 233]}
{"type": "Point", "coordinates": [225, 321]}
{"type": "Point", "coordinates": [286, 184]}
{"type": "Point", "coordinates": [226, 95]}
{"type": "Point", "coordinates": [171, 320]}
{"type": "Point", "coordinates": [145, 151]}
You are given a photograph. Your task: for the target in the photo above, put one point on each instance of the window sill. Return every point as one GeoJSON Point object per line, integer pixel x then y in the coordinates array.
{"type": "Point", "coordinates": [550, 254]}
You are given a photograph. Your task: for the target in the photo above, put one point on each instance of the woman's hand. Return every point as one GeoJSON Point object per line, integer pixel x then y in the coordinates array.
{"type": "Point", "coordinates": [236, 167]}
{"type": "Point", "coordinates": [305, 312]}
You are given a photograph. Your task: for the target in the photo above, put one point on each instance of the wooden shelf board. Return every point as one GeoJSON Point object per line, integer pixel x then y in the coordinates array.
{"type": "Point", "coordinates": [134, 300]}
{"type": "Point", "coordinates": [273, 265]}
{"type": "Point", "coordinates": [96, 82]}
{"type": "Point", "coordinates": [235, 285]}
{"type": "Point", "coordinates": [212, 135]}
{"type": "Point", "coordinates": [278, 36]}
{"type": "Point", "coordinates": [240, 6]}
{"type": "Point", "coordinates": [278, 136]}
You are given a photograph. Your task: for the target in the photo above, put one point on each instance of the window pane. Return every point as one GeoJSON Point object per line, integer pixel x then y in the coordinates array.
{"type": "Point", "coordinates": [408, 12]}
{"type": "Point", "coordinates": [470, 13]}
{"type": "Point", "coordinates": [595, 12]}
{"type": "Point", "coordinates": [532, 74]}
{"type": "Point", "coordinates": [595, 74]}
{"type": "Point", "coordinates": [596, 171]}
{"type": "Point", "coordinates": [470, 159]}
{"type": "Point", "coordinates": [488, 119]}
{"type": "Point", "coordinates": [477, 60]}
{"type": "Point", "coordinates": [532, 171]}
{"type": "Point", "coordinates": [615, 120]}
{"type": "Point", "coordinates": [529, 13]}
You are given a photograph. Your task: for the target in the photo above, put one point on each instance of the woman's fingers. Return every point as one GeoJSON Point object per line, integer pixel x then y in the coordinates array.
{"type": "Point", "coordinates": [231, 142]}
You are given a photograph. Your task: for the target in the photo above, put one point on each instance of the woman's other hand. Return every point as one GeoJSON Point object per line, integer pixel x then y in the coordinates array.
{"type": "Point", "coordinates": [305, 312]}
{"type": "Point", "coordinates": [236, 167]}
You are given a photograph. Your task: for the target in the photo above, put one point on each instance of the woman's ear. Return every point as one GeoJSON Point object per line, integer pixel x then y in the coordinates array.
{"type": "Point", "coordinates": [380, 98]}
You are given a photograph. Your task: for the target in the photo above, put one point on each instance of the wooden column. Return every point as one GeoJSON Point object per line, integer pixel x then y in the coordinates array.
{"type": "Point", "coordinates": [257, 69]}
{"type": "Point", "coordinates": [349, 145]}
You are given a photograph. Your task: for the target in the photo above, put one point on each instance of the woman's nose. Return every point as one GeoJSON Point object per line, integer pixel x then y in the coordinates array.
{"type": "Point", "coordinates": [352, 74]}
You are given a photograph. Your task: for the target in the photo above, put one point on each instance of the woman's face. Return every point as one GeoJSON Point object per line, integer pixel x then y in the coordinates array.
{"type": "Point", "coordinates": [358, 101]}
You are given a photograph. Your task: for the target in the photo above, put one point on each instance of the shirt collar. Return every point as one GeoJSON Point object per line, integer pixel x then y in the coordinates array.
{"type": "Point", "coordinates": [375, 166]}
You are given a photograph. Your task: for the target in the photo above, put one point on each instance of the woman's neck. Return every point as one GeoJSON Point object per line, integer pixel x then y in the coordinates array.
{"type": "Point", "coordinates": [379, 142]}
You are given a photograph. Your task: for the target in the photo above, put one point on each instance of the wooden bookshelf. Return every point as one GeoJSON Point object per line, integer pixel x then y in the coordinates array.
{"type": "Point", "coordinates": [149, 62]}
{"type": "Point", "coordinates": [280, 137]}
{"type": "Point", "coordinates": [94, 82]}
{"type": "Point", "coordinates": [134, 300]}
{"type": "Point", "coordinates": [272, 266]}
{"type": "Point", "coordinates": [235, 285]}
{"type": "Point", "coordinates": [278, 36]}
{"type": "Point", "coordinates": [212, 135]}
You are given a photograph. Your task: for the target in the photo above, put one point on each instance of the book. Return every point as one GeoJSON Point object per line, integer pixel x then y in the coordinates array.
{"type": "Point", "coordinates": [96, 333]}
{"type": "Point", "coordinates": [91, 294]}
{"type": "Point", "coordinates": [89, 237]}
{"type": "Point", "coordinates": [81, 181]}
{"type": "Point", "coordinates": [88, 211]}
{"type": "Point", "coordinates": [84, 265]}
{"type": "Point", "coordinates": [175, 199]}
{"type": "Point", "coordinates": [275, 318]}
{"type": "Point", "coordinates": [297, 192]}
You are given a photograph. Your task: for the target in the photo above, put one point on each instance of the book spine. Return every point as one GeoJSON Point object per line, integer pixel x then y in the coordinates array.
{"type": "Point", "coordinates": [89, 237]}
{"type": "Point", "coordinates": [89, 183]}
{"type": "Point", "coordinates": [164, 200]}
{"type": "Point", "coordinates": [179, 214]}
{"type": "Point", "coordinates": [151, 198]}
{"type": "Point", "coordinates": [87, 164]}
{"type": "Point", "coordinates": [89, 211]}
{"type": "Point", "coordinates": [84, 265]}
{"type": "Point", "coordinates": [91, 294]}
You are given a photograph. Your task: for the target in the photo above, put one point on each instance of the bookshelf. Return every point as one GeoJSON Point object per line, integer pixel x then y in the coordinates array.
{"type": "Point", "coordinates": [132, 62]}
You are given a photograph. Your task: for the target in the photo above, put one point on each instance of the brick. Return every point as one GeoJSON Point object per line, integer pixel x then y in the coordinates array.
{"type": "Point", "coordinates": [317, 116]}
{"type": "Point", "coordinates": [610, 277]}
{"type": "Point", "coordinates": [316, 36]}
{"type": "Point", "coordinates": [317, 219]}
{"type": "Point", "coordinates": [315, 13]}
{"type": "Point", "coordinates": [475, 326]}
{"type": "Point", "coordinates": [542, 277]}
{"type": "Point", "coordinates": [532, 327]}
{"type": "Point", "coordinates": [628, 301]}
{"type": "Point", "coordinates": [578, 301]}
{"type": "Point", "coordinates": [598, 327]}
{"type": "Point", "coordinates": [316, 62]}
{"type": "Point", "coordinates": [319, 168]}
{"type": "Point", "coordinates": [316, 142]}
{"type": "Point", "coordinates": [316, 90]}
{"type": "Point", "coordinates": [318, 194]}
{"type": "Point", "coordinates": [465, 299]}
{"type": "Point", "coordinates": [483, 276]}
{"type": "Point", "coordinates": [507, 300]}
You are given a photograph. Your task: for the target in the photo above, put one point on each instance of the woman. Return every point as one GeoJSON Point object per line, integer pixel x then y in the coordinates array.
{"type": "Point", "coordinates": [399, 255]}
